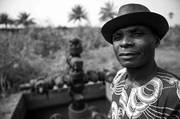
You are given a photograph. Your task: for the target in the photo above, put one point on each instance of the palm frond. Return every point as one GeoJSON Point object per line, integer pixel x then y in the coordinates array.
{"type": "Point", "coordinates": [107, 12]}
{"type": "Point", "coordinates": [77, 14]}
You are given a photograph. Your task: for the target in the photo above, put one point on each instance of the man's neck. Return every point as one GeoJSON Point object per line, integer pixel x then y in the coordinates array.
{"type": "Point", "coordinates": [141, 75]}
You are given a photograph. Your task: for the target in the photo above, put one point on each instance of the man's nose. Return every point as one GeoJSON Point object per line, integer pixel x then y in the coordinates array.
{"type": "Point", "coordinates": [126, 42]}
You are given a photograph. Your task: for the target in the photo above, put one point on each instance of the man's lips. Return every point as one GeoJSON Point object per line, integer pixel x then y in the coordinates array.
{"type": "Point", "coordinates": [128, 55]}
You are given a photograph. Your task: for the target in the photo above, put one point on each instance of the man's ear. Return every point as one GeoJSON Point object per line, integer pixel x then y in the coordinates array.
{"type": "Point", "coordinates": [156, 41]}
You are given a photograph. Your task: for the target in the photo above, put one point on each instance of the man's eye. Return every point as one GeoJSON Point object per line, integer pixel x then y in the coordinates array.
{"type": "Point", "coordinates": [117, 37]}
{"type": "Point", "coordinates": [137, 34]}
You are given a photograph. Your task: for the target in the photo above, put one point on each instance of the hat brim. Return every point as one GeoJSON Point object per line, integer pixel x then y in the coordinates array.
{"type": "Point", "coordinates": [155, 21]}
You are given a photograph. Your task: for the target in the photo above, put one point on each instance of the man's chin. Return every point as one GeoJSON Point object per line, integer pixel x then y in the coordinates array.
{"type": "Point", "coordinates": [130, 65]}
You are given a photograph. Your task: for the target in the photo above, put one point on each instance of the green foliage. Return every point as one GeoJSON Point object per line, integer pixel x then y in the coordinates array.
{"type": "Point", "coordinates": [91, 37]}
{"type": "Point", "coordinates": [168, 59]}
{"type": "Point", "coordinates": [14, 68]}
{"type": "Point", "coordinates": [5, 19]}
{"type": "Point", "coordinates": [107, 12]}
{"type": "Point", "coordinates": [78, 14]}
{"type": "Point", "coordinates": [101, 59]}
{"type": "Point", "coordinates": [29, 53]}
{"type": "Point", "coordinates": [172, 38]}
{"type": "Point", "coordinates": [32, 52]}
{"type": "Point", "coordinates": [25, 20]}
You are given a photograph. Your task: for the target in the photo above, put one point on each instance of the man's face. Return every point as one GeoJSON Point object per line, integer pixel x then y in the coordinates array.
{"type": "Point", "coordinates": [134, 46]}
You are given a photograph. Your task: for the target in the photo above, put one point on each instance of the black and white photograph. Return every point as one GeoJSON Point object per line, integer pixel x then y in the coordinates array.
{"type": "Point", "coordinates": [89, 59]}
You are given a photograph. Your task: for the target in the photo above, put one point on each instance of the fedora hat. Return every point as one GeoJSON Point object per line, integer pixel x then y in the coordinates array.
{"type": "Point", "coordinates": [135, 14]}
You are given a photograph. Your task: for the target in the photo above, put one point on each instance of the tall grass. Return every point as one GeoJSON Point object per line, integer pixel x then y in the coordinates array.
{"type": "Point", "coordinates": [168, 58]}
{"type": "Point", "coordinates": [29, 53]}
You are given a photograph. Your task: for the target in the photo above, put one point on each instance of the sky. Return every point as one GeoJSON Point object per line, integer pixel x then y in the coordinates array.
{"type": "Point", "coordinates": [56, 12]}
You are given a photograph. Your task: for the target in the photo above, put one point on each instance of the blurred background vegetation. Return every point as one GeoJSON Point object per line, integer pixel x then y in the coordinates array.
{"type": "Point", "coordinates": [28, 51]}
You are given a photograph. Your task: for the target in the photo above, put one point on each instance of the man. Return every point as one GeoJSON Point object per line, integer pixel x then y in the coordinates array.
{"type": "Point", "coordinates": [141, 90]}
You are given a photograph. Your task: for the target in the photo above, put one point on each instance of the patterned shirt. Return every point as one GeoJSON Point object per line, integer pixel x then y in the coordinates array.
{"type": "Point", "coordinates": [157, 99]}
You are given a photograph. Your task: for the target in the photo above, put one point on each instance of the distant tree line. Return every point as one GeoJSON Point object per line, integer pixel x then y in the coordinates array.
{"type": "Point", "coordinates": [23, 19]}
{"type": "Point", "coordinates": [77, 14]}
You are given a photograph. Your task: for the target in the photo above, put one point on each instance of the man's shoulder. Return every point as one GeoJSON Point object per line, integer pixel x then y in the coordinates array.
{"type": "Point", "coordinates": [167, 76]}
{"type": "Point", "coordinates": [170, 83]}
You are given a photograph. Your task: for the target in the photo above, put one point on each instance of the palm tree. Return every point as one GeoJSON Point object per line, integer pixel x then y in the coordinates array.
{"type": "Point", "coordinates": [171, 15]}
{"type": "Point", "coordinates": [5, 19]}
{"type": "Point", "coordinates": [107, 12]}
{"type": "Point", "coordinates": [25, 20]}
{"type": "Point", "coordinates": [78, 14]}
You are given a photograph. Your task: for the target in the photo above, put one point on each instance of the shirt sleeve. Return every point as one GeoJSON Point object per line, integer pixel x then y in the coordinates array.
{"type": "Point", "coordinates": [173, 102]}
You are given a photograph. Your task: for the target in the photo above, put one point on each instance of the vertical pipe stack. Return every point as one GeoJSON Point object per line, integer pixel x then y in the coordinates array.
{"type": "Point", "coordinates": [78, 108]}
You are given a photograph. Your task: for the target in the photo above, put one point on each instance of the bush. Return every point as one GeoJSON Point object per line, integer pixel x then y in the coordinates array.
{"type": "Point", "coordinates": [29, 53]}
{"type": "Point", "coordinates": [172, 38]}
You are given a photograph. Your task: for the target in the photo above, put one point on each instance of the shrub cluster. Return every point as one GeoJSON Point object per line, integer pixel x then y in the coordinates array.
{"type": "Point", "coordinates": [29, 53]}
